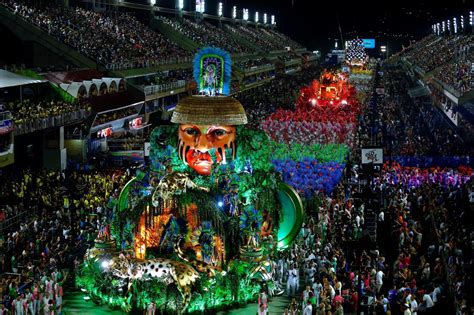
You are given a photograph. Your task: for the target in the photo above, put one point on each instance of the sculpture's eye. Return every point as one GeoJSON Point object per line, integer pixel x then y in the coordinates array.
{"type": "Point", "coordinates": [191, 131]}
{"type": "Point", "coordinates": [219, 132]}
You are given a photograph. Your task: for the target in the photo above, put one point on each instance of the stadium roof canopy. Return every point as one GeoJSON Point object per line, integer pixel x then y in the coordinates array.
{"type": "Point", "coordinates": [10, 79]}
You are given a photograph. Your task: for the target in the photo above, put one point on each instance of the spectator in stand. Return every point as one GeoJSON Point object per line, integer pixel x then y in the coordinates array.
{"type": "Point", "coordinates": [206, 34]}
{"type": "Point", "coordinates": [28, 110]}
{"type": "Point", "coordinates": [118, 40]}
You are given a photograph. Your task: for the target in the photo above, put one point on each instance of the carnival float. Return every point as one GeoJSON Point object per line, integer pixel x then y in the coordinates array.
{"type": "Point", "coordinates": [198, 229]}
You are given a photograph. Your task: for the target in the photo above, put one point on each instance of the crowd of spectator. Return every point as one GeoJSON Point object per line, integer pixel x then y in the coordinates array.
{"type": "Point", "coordinates": [61, 213]}
{"type": "Point", "coordinates": [421, 260]}
{"type": "Point", "coordinates": [29, 110]}
{"type": "Point", "coordinates": [265, 39]}
{"type": "Point", "coordinates": [285, 40]}
{"type": "Point", "coordinates": [406, 126]}
{"type": "Point", "coordinates": [106, 37]}
{"type": "Point", "coordinates": [255, 37]}
{"type": "Point", "coordinates": [320, 262]}
{"type": "Point", "coordinates": [434, 51]}
{"type": "Point", "coordinates": [114, 115]}
{"type": "Point", "coordinates": [250, 64]}
{"type": "Point", "coordinates": [206, 34]}
{"type": "Point", "coordinates": [458, 74]}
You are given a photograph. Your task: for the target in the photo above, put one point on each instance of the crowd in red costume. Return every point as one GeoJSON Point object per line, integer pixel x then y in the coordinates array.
{"type": "Point", "coordinates": [326, 112]}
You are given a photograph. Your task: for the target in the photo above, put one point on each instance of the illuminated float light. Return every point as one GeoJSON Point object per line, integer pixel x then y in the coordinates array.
{"type": "Point", "coordinates": [344, 102]}
{"type": "Point", "coordinates": [83, 290]}
{"type": "Point", "coordinates": [87, 298]}
{"type": "Point", "coordinates": [220, 9]}
{"type": "Point", "coordinates": [313, 101]}
{"type": "Point", "coordinates": [220, 204]}
{"type": "Point", "coordinates": [105, 264]}
{"type": "Point", "coordinates": [256, 17]}
{"type": "Point", "coordinates": [273, 20]}
{"type": "Point", "coordinates": [264, 18]}
{"type": "Point", "coordinates": [234, 12]}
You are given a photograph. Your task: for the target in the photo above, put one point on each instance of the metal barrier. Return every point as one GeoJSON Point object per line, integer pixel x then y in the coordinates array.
{"type": "Point", "coordinates": [50, 122]}
{"type": "Point", "coordinates": [153, 89]}
{"type": "Point", "coordinates": [12, 221]}
{"type": "Point", "coordinates": [259, 68]}
{"type": "Point", "coordinates": [146, 63]}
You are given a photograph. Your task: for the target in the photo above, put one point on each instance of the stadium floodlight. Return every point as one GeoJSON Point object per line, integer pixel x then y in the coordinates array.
{"type": "Point", "coordinates": [443, 26]}
{"type": "Point", "coordinates": [200, 6]}
{"type": "Point", "coordinates": [180, 4]}
{"type": "Point", "coordinates": [220, 9]}
{"type": "Point", "coordinates": [462, 22]}
{"type": "Point", "coordinates": [256, 17]}
{"type": "Point", "coordinates": [246, 14]}
{"type": "Point", "coordinates": [264, 18]}
{"type": "Point", "coordinates": [448, 25]}
{"type": "Point", "coordinates": [152, 2]}
{"type": "Point", "coordinates": [471, 18]}
{"type": "Point", "coordinates": [234, 12]}
{"type": "Point", "coordinates": [455, 25]}
{"type": "Point", "coordinates": [273, 20]}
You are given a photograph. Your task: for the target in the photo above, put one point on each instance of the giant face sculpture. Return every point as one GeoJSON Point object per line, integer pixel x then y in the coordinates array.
{"type": "Point", "coordinates": [207, 132]}
{"type": "Point", "coordinates": [196, 142]}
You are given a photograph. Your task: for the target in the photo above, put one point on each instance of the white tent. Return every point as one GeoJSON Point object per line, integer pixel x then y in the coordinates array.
{"type": "Point", "coordinates": [9, 79]}
{"type": "Point", "coordinates": [76, 89]}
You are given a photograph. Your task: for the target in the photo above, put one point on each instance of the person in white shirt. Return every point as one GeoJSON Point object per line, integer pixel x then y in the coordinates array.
{"type": "Point", "coordinates": [291, 285]}
{"type": "Point", "coordinates": [379, 280]}
{"type": "Point", "coordinates": [317, 287]}
{"type": "Point", "coordinates": [45, 302]}
{"type": "Point", "coordinates": [308, 309]}
{"type": "Point", "coordinates": [427, 300]}
{"type": "Point", "coordinates": [413, 305]}
{"type": "Point", "coordinates": [18, 306]}
{"type": "Point", "coordinates": [407, 310]}
{"type": "Point", "coordinates": [435, 294]}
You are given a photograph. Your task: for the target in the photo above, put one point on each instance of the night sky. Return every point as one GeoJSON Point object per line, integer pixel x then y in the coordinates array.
{"type": "Point", "coordinates": [314, 23]}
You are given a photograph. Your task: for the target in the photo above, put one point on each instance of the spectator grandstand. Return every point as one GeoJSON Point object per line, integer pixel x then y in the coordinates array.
{"type": "Point", "coordinates": [426, 54]}
{"type": "Point", "coordinates": [205, 34]}
{"type": "Point", "coordinates": [458, 74]}
{"type": "Point", "coordinates": [118, 40]}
